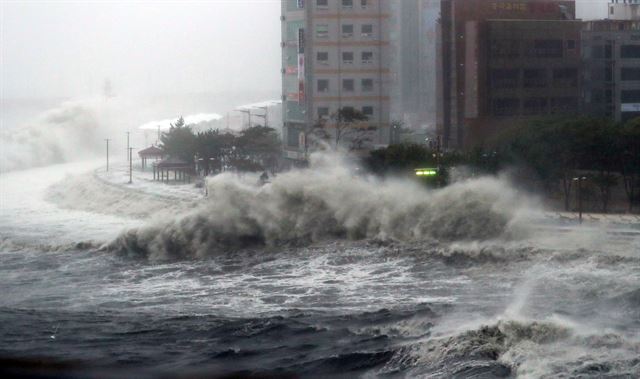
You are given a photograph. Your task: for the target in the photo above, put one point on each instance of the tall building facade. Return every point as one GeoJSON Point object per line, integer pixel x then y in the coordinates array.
{"type": "Point", "coordinates": [624, 10]}
{"type": "Point", "coordinates": [611, 53]}
{"type": "Point", "coordinates": [336, 54]}
{"type": "Point", "coordinates": [503, 60]}
{"type": "Point", "coordinates": [376, 56]}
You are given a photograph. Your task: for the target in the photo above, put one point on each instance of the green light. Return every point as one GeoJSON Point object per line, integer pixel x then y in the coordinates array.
{"type": "Point", "coordinates": [426, 172]}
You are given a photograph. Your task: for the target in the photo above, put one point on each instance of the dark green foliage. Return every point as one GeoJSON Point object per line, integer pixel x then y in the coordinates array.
{"type": "Point", "coordinates": [400, 158]}
{"type": "Point", "coordinates": [560, 149]}
{"type": "Point", "coordinates": [256, 149]}
{"type": "Point", "coordinates": [630, 160]}
{"type": "Point", "coordinates": [552, 151]}
{"type": "Point", "coordinates": [179, 141]}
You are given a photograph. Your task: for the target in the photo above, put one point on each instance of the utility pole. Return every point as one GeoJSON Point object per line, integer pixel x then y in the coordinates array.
{"type": "Point", "coordinates": [438, 144]}
{"type": "Point", "coordinates": [248, 112]}
{"type": "Point", "coordinates": [579, 181]}
{"type": "Point", "coordinates": [107, 139]}
{"type": "Point", "coordinates": [128, 133]}
{"type": "Point", "coordinates": [266, 115]}
{"type": "Point", "coordinates": [130, 165]}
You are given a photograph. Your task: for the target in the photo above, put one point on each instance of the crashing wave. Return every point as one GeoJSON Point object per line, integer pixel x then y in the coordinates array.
{"type": "Point", "coordinates": [71, 131]}
{"type": "Point", "coordinates": [327, 201]}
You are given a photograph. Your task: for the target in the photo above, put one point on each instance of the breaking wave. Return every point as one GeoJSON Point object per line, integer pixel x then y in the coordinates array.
{"type": "Point", "coordinates": [327, 201]}
{"type": "Point", "coordinates": [88, 192]}
{"type": "Point", "coordinates": [69, 132]}
{"type": "Point", "coordinates": [523, 349]}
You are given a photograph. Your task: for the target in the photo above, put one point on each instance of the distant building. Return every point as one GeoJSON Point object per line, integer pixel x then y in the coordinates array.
{"type": "Point", "coordinates": [611, 51]}
{"type": "Point", "coordinates": [624, 10]}
{"type": "Point", "coordinates": [413, 37]}
{"type": "Point", "coordinates": [611, 54]}
{"type": "Point", "coordinates": [501, 61]}
{"type": "Point", "coordinates": [376, 56]}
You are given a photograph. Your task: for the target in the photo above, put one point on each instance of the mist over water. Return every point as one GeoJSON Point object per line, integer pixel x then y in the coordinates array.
{"type": "Point", "coordinates": [59, 131]}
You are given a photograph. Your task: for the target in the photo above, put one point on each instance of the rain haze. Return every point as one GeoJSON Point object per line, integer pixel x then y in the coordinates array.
{"type": "Point", "coordinates": [67, 49]}
{"type": "Point", "coordinates": [320, 188]}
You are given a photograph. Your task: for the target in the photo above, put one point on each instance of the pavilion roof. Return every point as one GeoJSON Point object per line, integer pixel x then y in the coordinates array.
{"type": "Point", "coordinates": [172, 162]}
{"type": "Point", "coordinates": [151, 151]}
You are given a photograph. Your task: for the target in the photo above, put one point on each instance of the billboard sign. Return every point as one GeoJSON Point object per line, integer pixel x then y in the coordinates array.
{"type": "Point", "coordinates": [631, 107]}
{"type": "Point", "coordinates": [301, 65]}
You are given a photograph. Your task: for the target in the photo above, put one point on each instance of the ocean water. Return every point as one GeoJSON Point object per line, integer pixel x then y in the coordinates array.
{"type": "Point", "coordinates": [319, 274]}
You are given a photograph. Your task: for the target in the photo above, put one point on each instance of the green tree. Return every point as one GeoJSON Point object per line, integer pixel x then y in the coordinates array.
{"type": "Point", "coordinates": [180, 141]}
{"type": "Point", "coordinates": [547, 146]}
{"type": "Point", "coordinates": [260, 144]}
{"type": "Point", "coordinates": [346, 124]}
{"type": "Point", "coordinates": [629, 156]}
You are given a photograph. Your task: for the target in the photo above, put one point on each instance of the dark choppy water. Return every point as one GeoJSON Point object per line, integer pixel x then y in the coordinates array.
{"type": "Point", "coordinates": [560, 302]}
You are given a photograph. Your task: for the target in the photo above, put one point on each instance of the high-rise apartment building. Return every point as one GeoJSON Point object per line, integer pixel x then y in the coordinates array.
{"type": "Point", "coordinates": [376, 56]}
{"type": "Point", "coordinates": [611, 54]}
{"type": "Point", "coordinates": [336, 54]}
{"type": "Point", "coordinates": [502, 61]}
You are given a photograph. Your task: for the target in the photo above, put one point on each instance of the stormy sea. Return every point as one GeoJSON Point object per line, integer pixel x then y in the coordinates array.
{"type": "Point", "coordinates": [321, 273]}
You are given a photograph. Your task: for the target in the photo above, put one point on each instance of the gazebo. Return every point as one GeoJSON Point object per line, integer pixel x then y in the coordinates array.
{"type": "Point", "coordinates": [153, 152]}
{"type": "Point", "coordinates": [182, 171]}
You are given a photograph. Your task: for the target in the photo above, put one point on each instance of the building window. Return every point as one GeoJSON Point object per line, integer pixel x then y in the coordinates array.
{"type": "Point", "coordinates": [597, 52]}
{"type": "Point", "coordinates": [565, 77]}
{"type": "Point", "coordinates": [630, 73]}
{"type": "Point", "coordinates": [535, 106]}
{"type": "Point", "coordinates": [364, 4]}
{"type": "Point", "coordinates": [504, 78]}
{"type": "Point", "coordinates": [506, 107]}
{"type": "Point", "coordinates": [534, 78]}
{"type": "Point", "coordinates": [505, 48]}
{"type": "Point", "coordinates": [608, 51]}
{"type": "Point", "coordinates": [571, 44]}
{"type": "Point", "coordinates": [322, 57]}
{"type": "Point", "coordinates": [547, 48]}
{"type": "Point", "coordinates": [347, 31]}
{"type": "Point", "coordinates": [322, 31]}
{"type": "Point", "coordinates": [347, 57]}
{"type": "Point", "coordinates": [630, 51]}
{"type": "Point", "coordinates": [347, 85]}
{"type": "Point", "coordinates": [367, 85]}
{"type": "Point", "coordinates": [347, 4]}
{"type": "Point", "coordinates": [367, 57]}
{"type": "Point", "coordinates": [367, 111]}
{"type": "Point", "coordinates": [564, 105]}
{"type": "Point", "coordinates": [322, 4]}
{"type": "Point", "coordinates": [323, 85]}
{"type": "Point", "coordinates": [323, 113]}
{"type": "Point", "coordinates": [608, 74]}
{"type": "Point", "coordinates": [293, 137]}
{"type": "Point", "coordinates": [630, 96]}
{"type": "Point", "coordinates": [367, 30]}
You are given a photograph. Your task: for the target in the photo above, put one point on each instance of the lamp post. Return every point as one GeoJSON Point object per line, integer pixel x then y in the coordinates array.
{"type": "Point", "coordinates": [128, 135]}
{"type": "Point", "coordinates": [107, 140]}
{"type": "Point", "coordinates": [579, 181]}
{"type": "Point", "coordinates": [130, 165]}
{"type": "Point", "coordinates": [248, 112]}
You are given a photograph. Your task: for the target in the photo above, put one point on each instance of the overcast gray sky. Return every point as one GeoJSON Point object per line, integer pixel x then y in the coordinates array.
{"type": "Point", "coordinates": [68, 48]}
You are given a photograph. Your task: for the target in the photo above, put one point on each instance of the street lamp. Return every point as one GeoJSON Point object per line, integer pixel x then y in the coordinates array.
{"type": "Point", "coordinates": [131, 164]}
{"type": "Point", "coordinates": [579, 180]}
{"type": "Point", "coordinates": [107, 140]}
